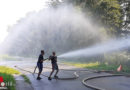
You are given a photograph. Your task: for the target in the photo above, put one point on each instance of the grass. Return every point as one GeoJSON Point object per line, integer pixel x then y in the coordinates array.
{"type": "Point", "coordinates": [7, 70]}
{"type": "Point", "coordinates": [7, 74]}
{"type": "Point", "coordinates": [26, 79]}
{"type": "Point", "coordinates": [99, 66]}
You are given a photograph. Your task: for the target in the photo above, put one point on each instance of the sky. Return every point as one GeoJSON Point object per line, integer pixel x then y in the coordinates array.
{"type": "Point", "coordinates": [12, 10]}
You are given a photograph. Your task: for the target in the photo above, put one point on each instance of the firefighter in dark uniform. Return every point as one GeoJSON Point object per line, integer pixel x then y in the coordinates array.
{"type": "Point", "coordinates": [53, 59]}
{"type": "Point", "coordinates": [40, 64]}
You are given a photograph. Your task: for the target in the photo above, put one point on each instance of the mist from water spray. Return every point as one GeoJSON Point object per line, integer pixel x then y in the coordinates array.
{"type": "Point", "coordinates": [60, 29]}
{"type": "Point", "coordinates": [110, 46]}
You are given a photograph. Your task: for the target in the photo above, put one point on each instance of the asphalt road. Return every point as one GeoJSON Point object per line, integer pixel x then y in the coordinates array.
{"type": "Point", "coordinates": [111, 83]}
{"type": "Point", "coordinates": [45, 84]}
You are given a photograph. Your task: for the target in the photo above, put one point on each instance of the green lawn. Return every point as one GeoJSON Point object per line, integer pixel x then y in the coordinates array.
{"type": "Point", "coordinates": [26, 79]}
{"type": "Point", "coordinates": [99, 66]}
{"type": "Point", "coordinates": [7, 74]}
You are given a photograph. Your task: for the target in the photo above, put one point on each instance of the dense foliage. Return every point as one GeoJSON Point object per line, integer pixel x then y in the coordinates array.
{"type": "Point", "coordinates": [114, 14]}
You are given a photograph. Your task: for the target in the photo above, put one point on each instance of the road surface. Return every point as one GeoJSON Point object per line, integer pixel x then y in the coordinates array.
{"type": "Point", "coordinates": [111, 83]}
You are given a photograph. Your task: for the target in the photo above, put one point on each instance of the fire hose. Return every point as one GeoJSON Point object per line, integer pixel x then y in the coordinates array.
{"type": "Point", "coordinates": [84, 81]}
{"type": "Point", "coordinates": [60, 78]}
{"type": "Point", "coordinates": [95, 77]}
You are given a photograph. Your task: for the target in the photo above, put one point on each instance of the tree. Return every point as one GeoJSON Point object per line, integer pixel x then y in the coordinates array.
{"type": "Point", "coordinates": [125, 5]}
{"type": "Point", "coordinates": [107, 12]}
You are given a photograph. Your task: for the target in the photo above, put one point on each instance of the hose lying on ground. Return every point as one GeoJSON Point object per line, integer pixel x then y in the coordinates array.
{"type": "Point", "coordinates": [73, 69]}
{"type": "Point", "coordinates": [95, 77]}
{"type": "Point", "coordinates": [77, 76]}
{"type": "Point", "coordinates": [60, 78]}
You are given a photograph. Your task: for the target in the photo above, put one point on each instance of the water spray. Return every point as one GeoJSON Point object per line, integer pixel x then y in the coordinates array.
{"type": "Point", "coordinates": [110, 46]}
{"type": "Point", "coordinates": [57, 29]}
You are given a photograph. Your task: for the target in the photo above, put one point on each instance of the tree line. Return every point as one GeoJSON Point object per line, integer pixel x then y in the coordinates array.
{"type": "Point", "coordinates": [114, 14]}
